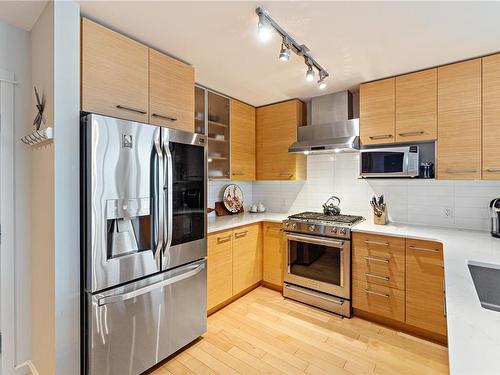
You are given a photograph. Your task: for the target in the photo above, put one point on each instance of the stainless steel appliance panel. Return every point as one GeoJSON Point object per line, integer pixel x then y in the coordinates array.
{"type": "Point", "coordinates": [319, 263]}
{"type": "Point", "coordinates": [121, 201]}
{"type": "Point", "coordinates": [185, 197]}
{"type": "Point", "coordinates": [133, 327]}
{"type": "Point", "coordinates": [403, 161]}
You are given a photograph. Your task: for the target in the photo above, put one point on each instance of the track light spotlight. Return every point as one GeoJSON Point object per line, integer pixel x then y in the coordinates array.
{"type": "Point", "coordinates": [321, 82]}
{"type": "Point", "coordinates": [264, 28]}
{"type": "Point", "coordinates": [310, 73]}
{"type": "Point", "coordinates": [285, 51]}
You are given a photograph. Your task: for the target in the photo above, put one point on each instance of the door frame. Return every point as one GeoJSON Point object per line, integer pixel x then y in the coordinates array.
{"type": "Point", "coordinates": [7, 241]}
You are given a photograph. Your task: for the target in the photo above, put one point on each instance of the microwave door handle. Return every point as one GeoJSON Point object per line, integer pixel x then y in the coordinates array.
{"type": "Point", "coordinates": [193, 271]}
{"type": "Point", "coordinates": [168, 196]}
{"type": "Point", "coordinates": [157, 206]}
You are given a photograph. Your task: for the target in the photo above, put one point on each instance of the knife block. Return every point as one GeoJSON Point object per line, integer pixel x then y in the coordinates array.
{"type": "Point", "coordinates": [380, 220]}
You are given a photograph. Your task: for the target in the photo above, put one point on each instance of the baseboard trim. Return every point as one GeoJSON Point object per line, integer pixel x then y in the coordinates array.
{"type": "Point", "coordinates": [278, 288]}
{"type": "Point", "coordinates": [403, 327]}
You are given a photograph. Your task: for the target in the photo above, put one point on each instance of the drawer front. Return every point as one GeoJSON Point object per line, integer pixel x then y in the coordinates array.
{"type": "Point", "coordinates": [379, 267]}
{"type": "Point", "coordinates": [378, 300]}
{"type": "Point", "coordinates": [376, 244]}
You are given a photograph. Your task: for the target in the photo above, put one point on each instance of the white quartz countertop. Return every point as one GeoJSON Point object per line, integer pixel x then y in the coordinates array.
{"type": "Point", "coordinates": [473, 332]}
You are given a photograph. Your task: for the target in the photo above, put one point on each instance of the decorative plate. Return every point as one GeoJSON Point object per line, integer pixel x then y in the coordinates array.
{"type": "Point", "coordinates": [233, 198]}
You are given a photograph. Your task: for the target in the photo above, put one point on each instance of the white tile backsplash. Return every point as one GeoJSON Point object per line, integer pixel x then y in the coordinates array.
{"type": "Point", "coordinates": [409, 201]}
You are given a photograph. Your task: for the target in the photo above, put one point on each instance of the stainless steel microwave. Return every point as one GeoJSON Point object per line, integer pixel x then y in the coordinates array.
{"type": "Point", "coordinates": [390, 162]}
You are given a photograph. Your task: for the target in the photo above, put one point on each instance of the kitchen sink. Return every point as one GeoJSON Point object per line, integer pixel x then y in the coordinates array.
{"type": "Point", "coordinates": [486, 279]}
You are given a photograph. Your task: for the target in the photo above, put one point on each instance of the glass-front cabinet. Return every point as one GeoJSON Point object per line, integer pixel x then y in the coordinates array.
{"type": "Point", "coordinates": [212, 118]}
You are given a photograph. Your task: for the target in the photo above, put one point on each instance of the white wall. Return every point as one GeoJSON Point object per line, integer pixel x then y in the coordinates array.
{"type": "Point", "coordinates": [409, 201]}
{"type": "Point", "coordinates": [15, 57]}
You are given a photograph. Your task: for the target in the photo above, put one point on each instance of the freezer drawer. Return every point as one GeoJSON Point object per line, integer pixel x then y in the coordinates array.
{"type": "Point", "coordinates": [135, 326]}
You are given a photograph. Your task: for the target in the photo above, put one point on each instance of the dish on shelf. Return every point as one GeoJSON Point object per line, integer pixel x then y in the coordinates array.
{"type": "Point", "coordinates": [233, 198]}
{"type": "Point", "coordinates": [213, 118]}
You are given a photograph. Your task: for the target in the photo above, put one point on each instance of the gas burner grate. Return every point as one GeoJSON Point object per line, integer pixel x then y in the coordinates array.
{"type": "Point", "coordinates": [344, 219]}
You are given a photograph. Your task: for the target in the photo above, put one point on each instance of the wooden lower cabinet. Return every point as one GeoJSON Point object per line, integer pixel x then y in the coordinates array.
{"type": "Point", "coordinates": [247, 257]}
{"type": "Point", "coordinates": [219, 268]}
{"type": "Point", "coordinates": [400, 281]}
{"type": "Point", "coordinates": [425, 296]}
{"type": "Point", "coordinates": [234, 264]}
{"type": "Point", "coordinates": [273, 248]}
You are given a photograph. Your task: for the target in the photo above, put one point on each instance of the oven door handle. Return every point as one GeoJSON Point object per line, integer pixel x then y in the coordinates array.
{"type": "Point", "coordinates": [316, 240]}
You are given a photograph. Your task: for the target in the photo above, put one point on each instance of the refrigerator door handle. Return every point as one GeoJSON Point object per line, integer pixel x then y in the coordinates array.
{"type": "Point", "coordinates": [193, 271]}
{"type": "Point", "coordinates": [168, 196]}
{"type": "Point", "coordinates": [158, 199]}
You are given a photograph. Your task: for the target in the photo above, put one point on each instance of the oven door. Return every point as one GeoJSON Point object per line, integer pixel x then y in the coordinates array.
{"type": "Point", "coordinates": [319, 263]}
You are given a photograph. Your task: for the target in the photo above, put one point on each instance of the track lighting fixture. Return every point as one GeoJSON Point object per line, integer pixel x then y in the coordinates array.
{"type": "Point", "coordinates": [285, 51]}
{"type": "Point", "coordinates": [265, 27]}
{"type": "Point", "coordinates": [309, 73]}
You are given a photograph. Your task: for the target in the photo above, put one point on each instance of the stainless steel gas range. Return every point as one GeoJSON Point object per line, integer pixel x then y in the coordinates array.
{"type": "Point", "coordinates": [318, 260]}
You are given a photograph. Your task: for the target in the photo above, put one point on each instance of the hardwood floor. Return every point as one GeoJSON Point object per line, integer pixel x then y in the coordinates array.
{"type": "Point", "coordinates": [264, 333]}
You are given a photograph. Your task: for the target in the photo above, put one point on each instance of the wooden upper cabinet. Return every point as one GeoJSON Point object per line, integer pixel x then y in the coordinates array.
{"type": "Point", "coordinates": [114, 70]}
{"type": "Point", "coordinates": [459, 121]}
{"type": "Point", "coordinates": [171, 92]}
{"type": "Point", "coordinates": [276, 130]}
{"type": "Point", "coordinates": [242, 141]}
{"type": "Point", "coordinates": [416, 106]}
{"type": "Point", "coordinates": [377, 105]}
{"type": "Point", "coordinates": [491, 117]}
{"type": "Point", "coordinates": [425, 296]}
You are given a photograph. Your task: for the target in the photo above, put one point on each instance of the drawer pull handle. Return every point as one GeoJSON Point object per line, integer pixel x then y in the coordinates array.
{"type": "Point", "coordinates": [423, 249]}
{"type": "Point", "coordinates": [275, 229]}
{"type": "Point", "coordinates": [240, 234]}
{"type": "Point", "coordinates": [286, 174]}
{"type": "Point", "coordinates": [223, 239]}
{"type": "Point", "coordinates": [461, 170]}
{"type": "Point", "coordinates": [408, 134]}
{"type": "Point", "coordinates": [373, 259]}
{"type": "Point", "coordinates": [368, 291]}
{"type": "Point", "coordinates": [238, 174]}
{"type": "Point", "coordinates": [493, 170]}
{"type": "Point", "coordinates": [169, 118]}
{"type": "Point", "coordinates": [368, 242]}
{"type": "Point", "coordinates": [383, 136]}
{"type": "Point", "coordinates": [386, 278]}
{"type": "Point", "coordinates": [131, 109]}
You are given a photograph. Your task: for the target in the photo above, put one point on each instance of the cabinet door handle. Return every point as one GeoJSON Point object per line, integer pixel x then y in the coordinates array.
{"type": "Point", "coordinates": [286, 174]}
{"type": "Point", "coordinates": [444, 305]}
{"type": "Point", "coordinates": [238, 174]}
{"type": "Point", "coordinates": [373, 259]}
{"type": "Point", "coordinates": [493, 170]}
{"type": "Point", "coordinates": [423, 249]}
{"type": "Point", "coordinates": [368, 291]}
{"type": "Point", "coordinates": [382, 136]}
{"type": "Point", "coordinates": [240, 234]}
{"type": "Point", "coordinates": [368, 242]}
{"type": "Point", "coordinates": [461, 170]}
{"type": "Point", "coordinates": [407, 134]}
{"type": "Point", "coordinates": [131, 109]}
{"type": "Point", "coordinates": [223, 239]}
{"type": "Point", "coordinates": [169, 118]}
{"type": "Point", "coordinates": [275, 229]}
{"type": "Point", "coordinates": [386, 278]}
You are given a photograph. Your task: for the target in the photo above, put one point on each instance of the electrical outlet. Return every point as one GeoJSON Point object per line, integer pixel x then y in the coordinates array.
{"type": "Point", "coordinates": [447, 212]}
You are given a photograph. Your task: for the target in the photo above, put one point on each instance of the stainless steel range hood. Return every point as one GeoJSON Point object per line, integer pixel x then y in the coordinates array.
{"type": "Point", "coordinates": [331, 128]}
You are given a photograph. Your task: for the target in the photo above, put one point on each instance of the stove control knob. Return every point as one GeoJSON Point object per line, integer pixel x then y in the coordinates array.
{"type": "Point", "coordinates": [343, 231]}
{"type": "Point", "coordinates": [294, 225]}
{"type": "Point", "coordinates": [333, 230]}
{"type": "Point", "coordinates": [312, 227]}
{"type": "Point", "coordinates": [287, 224]}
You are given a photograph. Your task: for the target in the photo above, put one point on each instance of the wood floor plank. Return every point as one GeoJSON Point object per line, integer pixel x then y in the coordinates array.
{"type": "Point", "coordinates": [264, 333]}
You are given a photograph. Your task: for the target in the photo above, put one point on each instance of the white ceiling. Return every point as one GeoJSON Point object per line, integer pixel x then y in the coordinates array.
{"type": "Point", "coordinates": [355, 41]}
{"type": "Point", "coordinates": [21, 14]}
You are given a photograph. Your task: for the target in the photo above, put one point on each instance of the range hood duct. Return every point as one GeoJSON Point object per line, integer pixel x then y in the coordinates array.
{"type": "Point", "coordinates": [331, 129]}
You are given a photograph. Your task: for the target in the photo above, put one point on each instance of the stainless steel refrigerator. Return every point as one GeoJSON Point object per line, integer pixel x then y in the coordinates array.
{"type": "Point", "coordinates": [143, 243]}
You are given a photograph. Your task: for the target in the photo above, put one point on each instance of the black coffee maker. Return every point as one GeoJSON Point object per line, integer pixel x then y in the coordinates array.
{"type": "Point", "coordinates": [495, 217]}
